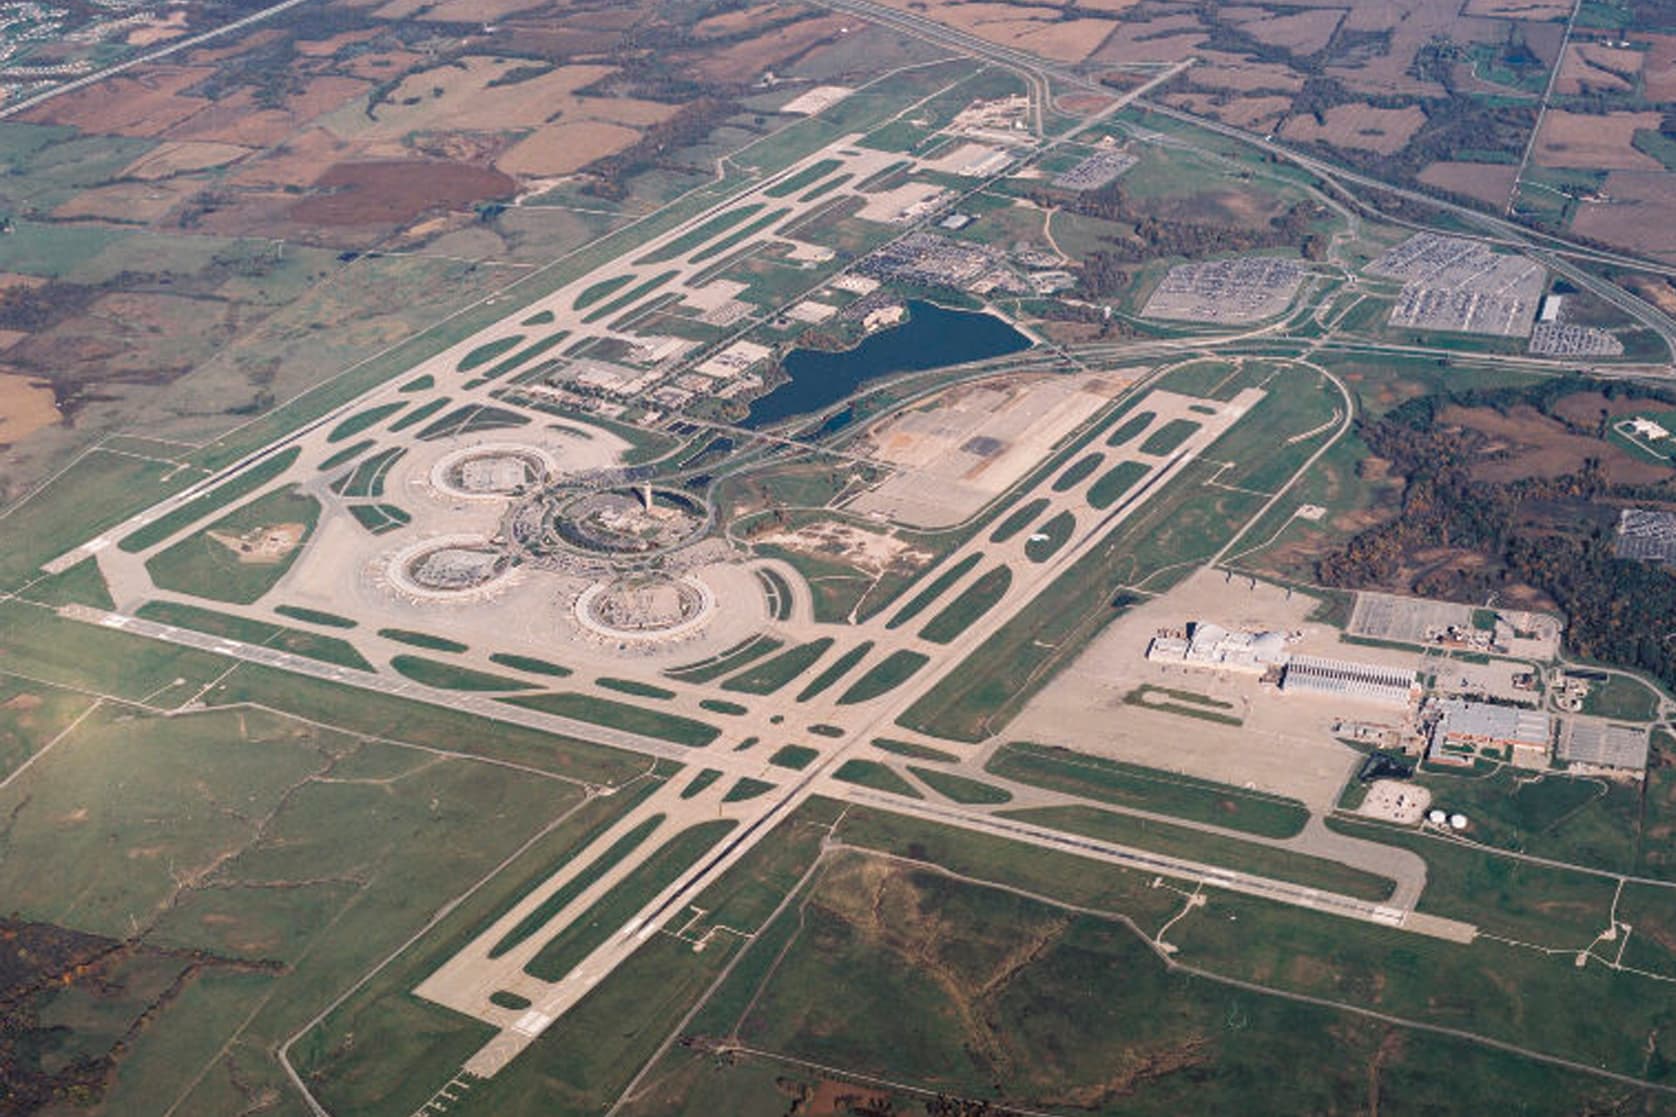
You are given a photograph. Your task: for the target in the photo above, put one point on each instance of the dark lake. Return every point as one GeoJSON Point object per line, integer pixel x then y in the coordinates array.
{"type": "Point", "coordinates": [932, 337]}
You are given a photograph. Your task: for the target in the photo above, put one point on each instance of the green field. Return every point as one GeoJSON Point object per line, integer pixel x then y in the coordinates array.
{"type": "Point", "coordinates": [563, 896]}
{"type": "Point", "coordinates": [1209, 849]}
{"type": "Point", "coordinates": [620, 715]}
{"type": "Point", "coordinates": [879, 777]}
{"type": "Point", "coordinates": [451, 676]}
{"type": "Point", "coordinates": [961, 789]}
{"type": "Point", "coordinates": [884, 676]}
{"type": "Point", "coordinates": [1148, 789]}
{"type": "Point", "coordinates": [674, 857]}
{"type": "Point", "coordinates": [327, 649]}
{"type": "Point", "coordinates": [974, 601]}
{"type": "Point", "coordinates": [215, 499]}
{"type": "Point", "coordinates": [933, 590]}
{"type": "Point", "coordinates": [1018, 519]}
{"type": "Point", "coordinates": [834, 671]}
{"type": "Point", "coordinates": [1116, 481]}
{"type": "Point", "coordinates": [1045, 542]}
{"type": "Point", "coordinates": [769, 675]}
{"type": "Point", "coordinates": [210, 563]}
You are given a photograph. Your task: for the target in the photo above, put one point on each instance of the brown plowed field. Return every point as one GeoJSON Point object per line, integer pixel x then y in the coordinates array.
{"type": "Point", "coordinates": [397, 191]}
{"type": "Point", "coordinates": [1658, 67]}
{"type": "Point", "coordinates": [1573, 139]}
{"type": "Point", "coordinates": [1359, 126]}
{"type": "Point", "coordinates": [1487, 182]}
{"type": "Point", "coordinates": [1597, 67]}
{"type": "Point", "coordinates": [1641, 215]}
{"type": "Point", "coordinates": [127, 106]}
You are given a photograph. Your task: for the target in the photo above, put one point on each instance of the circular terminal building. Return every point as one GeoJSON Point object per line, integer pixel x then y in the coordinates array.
{"type": "Point", "coordinates": [453, 568]}
{"type": "Point", "coordinates": [626, 523]}
{"type": "Point", "coordinates": [494, 471]}
{"type": "Point", "coordinates": [645, 607]}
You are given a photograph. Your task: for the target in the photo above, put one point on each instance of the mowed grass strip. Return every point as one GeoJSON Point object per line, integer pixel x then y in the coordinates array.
{"type": "Point", "coordinates": [742, 235]}
{"type": "Point", "coordinates": [939, 585]}
{"type": "Point", "coordinates": [423, 640]}
{"type": "Point", "coordinates": [1116, 481]}
{"type": "Point", "coordinates": [1166, 438]}
{"type": "Point", "coordinates": [770, 675]}
{"type": "Point", "coordinates": [314, 616]}
{"type": "Point", "coordinates": [1079, 471]}
{"type": "Point", "coordinates": [974, 601]}
{"type": "Point", "coordinates": [618, 906]}
{"type": "Point", "coordinates": [635, 687]}
{"type": "Point", "coordinates": [529, 663]}
{"type": "Point", "coordinates": [620, 715]}
{"type": "Point", "coordinates": [913, 751]}
{"type": "Point", "coordinates": [808, 176]}
{"type": "Point", "coordinates": [1131, 427]}
{"type": "Point", "coordinates": [884, 676]}
{"type": "Point", "coordinates": [488, 351]}
{"type": "Point", "coordinates": [1018, 519]}
{"type": "Point", "coordinates": [576, 885]}
{"type": "Point", "coordinates": [706, 670]}
{"type": "Point", "coordinates": [450, 676]}
{"type": "Point", "coordinates": [217, 498]}
{"type": "Point", "coordinates": [1132, 785]}
{"type": "Point", "coordinates": [1209, 849]}
{"type": "Point", "coordinates": [696, 236]}
{"type": "Point", "coordinates": [961, 789]}
{"type": "Point", "coordinates": [363, 420]}
{"type": "Point", "coordinates": [327, 649]}
{"type": "Point", "coordinates": [879, 777]}
{"type": "Point", "coordinates": [835, 670]}
{"type": "Point", "coordinates": [630, 297]}
{"type": "Point", "coordinates": [1046, 540]}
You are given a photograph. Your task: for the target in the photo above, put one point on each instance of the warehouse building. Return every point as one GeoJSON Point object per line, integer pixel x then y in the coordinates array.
{"type": "Point", "coordinates": [1342, 678]}
{"type": "Point", "coordinates": [1211, 646]}
{"type": "Point", "coordinates": [1465, 730]}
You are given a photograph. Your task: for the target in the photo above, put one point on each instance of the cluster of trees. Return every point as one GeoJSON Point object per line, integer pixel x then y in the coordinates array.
{"type": "Point", "coordinates": [1150, 236]}
{"type": "Point", "coordinates": [1555, 534]}
{"type": "Point", "coordinates": [36, 308]}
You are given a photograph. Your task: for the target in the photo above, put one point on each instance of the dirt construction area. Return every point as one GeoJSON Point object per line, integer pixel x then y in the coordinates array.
{"type": "Point", "coordinates": [1284, 743]}
{"type": "Point", "coordinates": [958, 453]}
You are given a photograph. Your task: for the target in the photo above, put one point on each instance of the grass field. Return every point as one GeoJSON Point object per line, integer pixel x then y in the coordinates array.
{"type": "Point", "coordinates": [1583, 821]}
{"type": "Point", "coordinates": [879, 777]}
{"type": "Point", "coordinates": [1209, 849]}
{"type": "Point", "coordinates": [214, 500]}
{"type": "Point", "coordinates": [674, 857]}
{"type": "Point", "coordinates": [338, 851]}
{"type": "Point", "coordinates": [451, 676]}
{"type": "Point", "coordinates": [974, 601]}
{"type": "Point", "coordinates": [961, 789]}
{"type": "Point", "coordinates": [884, 676]}
{"type": "Point", "coordinates": [206, 564]}
{"type": "Point", "coordinates": [769, 675]}
{"type": "Point", "coordinates": [1148, 789]}
{"type": "Point", "coordinates": [1113, 483]}
{"type": "Point", "coordinates": [576, 885]}
{"type": "Point", "coordinates": [1018, 519]}
{"type": "Point", "coordinates": [834, 671]}
{"type": "Point", "coordinates": [933, 590]}
{"type": "Point", "coordinates": [327, 649]}
{"type": "Point", "coordinates": [378, 715]}
{"type": "Point", "coordinates": [530, 664]}
{"type": "Point", "coordinates": [620, 715]}
{"type": "Point", "coordinates": [1127, 1035]}
{"type": "Point", "coordinates": [1622, 698]}
{"type": "Point", "coordinates": [31, 715]}
{"type": "Point", "coordinates": [1048, 537]}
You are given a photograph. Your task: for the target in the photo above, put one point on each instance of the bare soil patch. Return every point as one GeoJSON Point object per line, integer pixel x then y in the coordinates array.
{"type": "Point", "coordinates": [1261, 113]}
{"type": "Point", "coordinates": [872, 551]}
{"type": "Point", "coordinates": [1570, 139]}
{"type": "Point", "coordinates": [1487, 182]}
{"type": "Point", "coordinates": [1538, 446]}
{"type": "Point", "coordinates": [558, 149]}
{"type": "Point", "coordinates": [1641, 215]}
{"type": "Point", "coordinates": [262, 546]}
{"type": "Point", "coordinates": [127, 105]}
{"type": "Point", "coordinates": [27, 404]}
{"type": "Point", "coordinates": [1360, 126]}
{"type": "Point", "coordinates": [397, 191]}
{"type": "Point", "coordinates": [1239, 74]}
{"type": "Point", "coordinates": [127, 202]}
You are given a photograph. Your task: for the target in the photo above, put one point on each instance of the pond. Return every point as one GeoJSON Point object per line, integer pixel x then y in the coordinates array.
{"type": "Point", "coordinates": [932, 337]}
